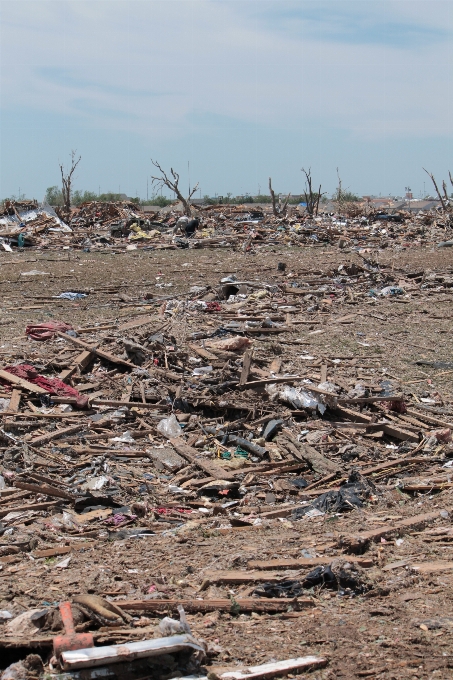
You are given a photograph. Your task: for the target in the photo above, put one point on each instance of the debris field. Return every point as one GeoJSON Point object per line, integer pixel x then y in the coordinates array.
{"type": "Point", "coordinates": [228, 458]}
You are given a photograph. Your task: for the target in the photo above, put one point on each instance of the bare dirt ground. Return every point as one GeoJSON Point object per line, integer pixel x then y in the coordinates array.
{"type": "Point", "coordinates": [402, 626]}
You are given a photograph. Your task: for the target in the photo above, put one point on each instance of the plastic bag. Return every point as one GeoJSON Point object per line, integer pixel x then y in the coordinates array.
{"type": "Point", "coordinates": [298, 398]}
{"type": "Point", "coordinates": [202, 370]}
{"type": "Point", "coordinates": [169, 427]}
{"type": "Point", "coordinates": [125, 438]}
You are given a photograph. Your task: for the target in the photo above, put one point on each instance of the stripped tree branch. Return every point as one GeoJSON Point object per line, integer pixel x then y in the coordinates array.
{"type": "Point", "coordinates": [172, 183]}
{"type": "Point", "coordinates": [311, 198]}
{"type": "Point", "coordinates": [444, 206]}
{"type": "Point", "coordinates": [66, 181]}
{"type": "Point", "coordinates": [272, 193]}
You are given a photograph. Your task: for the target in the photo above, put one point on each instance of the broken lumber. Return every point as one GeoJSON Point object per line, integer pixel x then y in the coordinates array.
{"type": "Point", "coordinates": [25, 508]}
{"type": "Point", "coordinates": [212, 468]}
{"type": "Point", "coordinates": [358, 543]}
{"type": "Point", "coordinates": [21, 382]}
{"type": "Point", "coordinates": [224, 605]}
{"type": "Point", "coordinates": [296, 563]}
{"type": "Point", "coordinates": [102, 354]}
{"type": "Point", "coordinates": [307, 453]}
{"type": "Point", "coordinates": [46, 489]}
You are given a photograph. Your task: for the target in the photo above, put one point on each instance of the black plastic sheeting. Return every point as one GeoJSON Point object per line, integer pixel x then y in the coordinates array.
{"type": "Point", "coordinates": [343, 581]}
{"type": "Point", "coordinates": [351, 495]}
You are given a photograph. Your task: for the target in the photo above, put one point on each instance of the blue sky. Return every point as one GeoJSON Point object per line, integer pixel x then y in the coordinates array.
{"type": "Point", "coordinates": [243, 89]}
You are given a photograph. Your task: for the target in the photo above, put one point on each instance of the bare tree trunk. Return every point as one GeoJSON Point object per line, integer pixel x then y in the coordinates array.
{"type": "Point", "coordinates": [285, 204]}
{"type": "Point", "coordinates": [311, 198]}
{"type": "Point", "coordinates": [437, 189]}
{"type": "Point", "coordinates": [172, 183]}
{"type": "Point", "coordinates": [66, 182]}
{"type": "Point", "coordinates": [272, 193]}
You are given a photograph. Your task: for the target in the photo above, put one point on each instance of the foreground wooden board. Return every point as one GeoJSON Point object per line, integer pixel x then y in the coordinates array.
{"type": "Point", "coordinates": [127, 651]}
{"type": "Point", "coordinates": [21, 382]}
{"type": "Point", "coordinates": [277, 668]}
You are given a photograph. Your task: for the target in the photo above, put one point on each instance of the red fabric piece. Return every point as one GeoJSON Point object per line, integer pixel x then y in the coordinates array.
{"type": "Point", "coordinates": [51, 385]}
{"type": "Point", "coordinates": [46, 331]}
{"type": "Point", "coordinates": [213, 307]}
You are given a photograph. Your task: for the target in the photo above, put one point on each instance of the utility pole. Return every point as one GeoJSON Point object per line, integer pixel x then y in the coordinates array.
{"type": "Point", "coordinates": [146, 187]}
{"type": "Point", "coordinates": [188, 172]}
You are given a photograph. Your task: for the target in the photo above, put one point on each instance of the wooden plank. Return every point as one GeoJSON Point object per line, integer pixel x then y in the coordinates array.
{"type": "Point", "coordinates": [98, 352]}
{"type": "Point", "coordinates": [323, 373]}
{"type": "Point", "coordinates": [52, 552]}
{"type": "Point", "coordinates": [246, 363]}
{"type": "Point", "coordinates": [345, 319]}
{"type": "Point", "coordinates": [370, 400]}
{"type": "Point", "coordinates": [135, 323]}
{"type": "Point", "coordinates": [15, 496]}
{"type": "Point", "coordinates": [425, 486]}
{"type": "Point", "coordinates": [80, 362]}
{"type": "Point", "coordinates": [212, 468]}
{"type": "Point", "coordinates": [429, 419]}
{"type": "Point", "coordinates": [431, 567]}
{"type": "Point", "coordinates": [258, 331]}
{"type": "Point", "coordinates": [43, 489]}
{"type": "Point", "coordinates": [305, 452]}
{"type": "Point", "coordinates": [276, 365]}
{"type": "Point", "coordinates": [353, 415]}
{"type": "Point", "coordinates": [49, 436]}
{"type": "Point", "coordinates": [394, 463]}
{"type": "Point", "coordinates": [203, 353]}
{"type": "Point", "coordinates": [57, 416]}
{"type": "Point", "coordinates": [15, 400]}
{"type": "Point", "coordinates": [25, 508]}
{"type": "Point", "coordinates": [358, 542]}
{"type": "Point", "coordinates": [398, 433]}
{"type": "Point", "coordinates": [95, 329]}
{"type": "Point", "coordinates": [245, 604]}
{"type": "Point", "coordinates": [297, 563]}
{"type": "Point", "coordinates": [267, 671]}
{"type": "Point", "coordinates": [14, 380]}
{"type": "Point", "coordinates": [131, 404]}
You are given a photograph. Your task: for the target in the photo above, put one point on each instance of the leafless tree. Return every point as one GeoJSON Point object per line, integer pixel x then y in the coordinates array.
{"type": "Point", "coordinates": [172, 183]}
{"type": "Point", "coordinates": [273, 199]}
{"type": "Point", "coordinates": [312, 198]}
{"type": "Point", "coordinates": [444, 200]}
{"type": "Point", "coordinates": [66, 181]}
{"type": "Point", "coordinates": [277, 210]}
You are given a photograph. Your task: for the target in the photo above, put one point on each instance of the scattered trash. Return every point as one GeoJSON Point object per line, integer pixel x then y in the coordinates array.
{"type": "Point", "coordinates": [184, 438]}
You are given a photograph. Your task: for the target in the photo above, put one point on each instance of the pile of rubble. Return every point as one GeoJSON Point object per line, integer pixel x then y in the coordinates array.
{"type": "Point", "coordinates": [212, 417]}
{"type": "Point", "coordinates": [120, 226]}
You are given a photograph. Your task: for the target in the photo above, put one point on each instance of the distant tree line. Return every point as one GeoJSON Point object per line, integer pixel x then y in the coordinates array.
{"type": "Point", "coordinates": [54, 196]}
